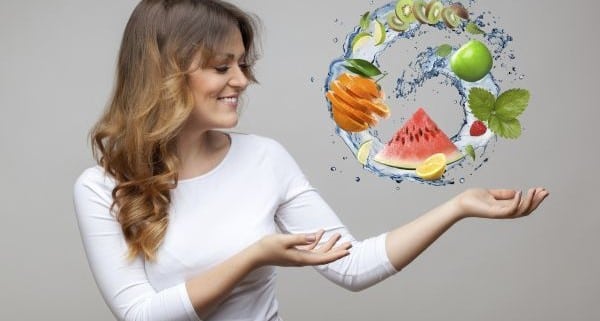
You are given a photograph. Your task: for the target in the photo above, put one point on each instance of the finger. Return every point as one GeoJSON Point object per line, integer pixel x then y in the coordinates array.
{"type": "Point", "coordinates": [329, 244]}
{"type": "Point", "coordinates": [511, 209]}
{"type": "Point", "coordinates": [343, 246]}
{"type": "Point", "coordinates": [540, 197]}
{"type": "Point", "coordinates": [502, 194]}
{"type": "Point", "coordinates": [312, 245]}
{"type": "Point", "coordinates": [312, 258]}
{"type": "Point", "coordinates": [291, 240]}
{"type": "Point", "coordinates": [526, 203]}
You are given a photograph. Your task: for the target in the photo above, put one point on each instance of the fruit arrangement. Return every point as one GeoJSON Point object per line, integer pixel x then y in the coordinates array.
{"type": "Point", "coordinates": [420, 148]}
{"type": "Point", "coordinates": [356, 102]}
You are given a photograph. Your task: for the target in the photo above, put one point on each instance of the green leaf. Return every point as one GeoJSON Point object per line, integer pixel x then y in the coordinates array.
{"type": "Point", "coordinates": [444, 50]}
{"type": "Point", "coordinates": [511, 103]}
{"type": "Point", "coordinates": [364, 20]}
{"type": "Point", "coordinates": [510, 128]}
{"type": "Point", "coordinates": [362, 67]}
{"type": "Point", "coordinates": [481, 102]}
{"type": "Point", "coordinates": [473, 29]}
{"type": "Point", "coordinates": [470, 151]}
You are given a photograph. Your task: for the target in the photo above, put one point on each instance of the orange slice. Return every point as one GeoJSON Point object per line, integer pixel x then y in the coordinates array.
{"type": "Point", "coordinates": [377, 107]}
{"type": "Point", "coordinates": [349, 110]}
{"type": "Point", "coordinates": [363, 88]}
{"type": "Point", "coordinates": [341, 92]}
{"type": "Point", "coordinates": [346, 123]}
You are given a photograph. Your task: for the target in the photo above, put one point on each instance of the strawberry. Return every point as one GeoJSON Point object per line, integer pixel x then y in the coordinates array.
{"type": "Point", "coordinates": [477, 128]}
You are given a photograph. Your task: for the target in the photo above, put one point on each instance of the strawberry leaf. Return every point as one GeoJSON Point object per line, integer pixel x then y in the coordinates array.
{"type": "Point", "coordinates": [481, 103]}
{"type": "Point", "coordinates": [512, 103]}
{"type": "Point", "coordinates": [510, 128]}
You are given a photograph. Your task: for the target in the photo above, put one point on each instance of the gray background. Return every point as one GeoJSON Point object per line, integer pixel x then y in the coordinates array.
{"type": "Point", "coordinates": [56, 71]}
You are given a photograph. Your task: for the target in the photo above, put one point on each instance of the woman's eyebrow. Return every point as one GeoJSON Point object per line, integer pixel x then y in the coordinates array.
{"type": "Point", "coordinates": [229, 56]}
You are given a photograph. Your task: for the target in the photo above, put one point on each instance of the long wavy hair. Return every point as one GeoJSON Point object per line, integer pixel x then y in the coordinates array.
{"type": "Point", "coordinates": [135, 139]}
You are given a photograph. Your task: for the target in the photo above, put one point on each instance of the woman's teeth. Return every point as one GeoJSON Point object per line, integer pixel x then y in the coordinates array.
{"type": "Point", "coordinates": [229, 100]}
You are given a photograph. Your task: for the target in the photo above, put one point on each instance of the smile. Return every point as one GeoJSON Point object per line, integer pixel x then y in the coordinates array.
{"type": "Point", "coordinates": [231, 101]}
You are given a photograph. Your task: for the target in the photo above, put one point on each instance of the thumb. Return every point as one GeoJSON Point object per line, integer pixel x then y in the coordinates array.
{"type": "Point", "coordinates": [300, 239]}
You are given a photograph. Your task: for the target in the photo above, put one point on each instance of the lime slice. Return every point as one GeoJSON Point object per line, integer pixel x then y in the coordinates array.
{"type": "Point", "coordinates": [378, 32]}
{"type": "Point", "coordinates": [360, 40]}
{"type": "Point", "coordinates": [363, 152]}
{"type": "Point", "coordinates": [433, 167]}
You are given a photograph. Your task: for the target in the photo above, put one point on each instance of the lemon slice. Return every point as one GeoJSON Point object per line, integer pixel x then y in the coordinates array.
{"type": "Point", "coordinates": [363, 152]}
{"type": "Point", "coordinates": [433, 167]}
{"type": "Point", "coordinates": [378, 32]}
{"type": "Point", "coordinates": [360, 40]}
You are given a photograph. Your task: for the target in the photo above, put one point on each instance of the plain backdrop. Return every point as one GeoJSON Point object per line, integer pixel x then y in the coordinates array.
{"type": "Point", "coordinates": [56, 73]}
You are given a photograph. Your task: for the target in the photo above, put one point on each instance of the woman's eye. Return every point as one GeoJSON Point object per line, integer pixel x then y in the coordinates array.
{"type": "Point", "coordinates": [222, 69]}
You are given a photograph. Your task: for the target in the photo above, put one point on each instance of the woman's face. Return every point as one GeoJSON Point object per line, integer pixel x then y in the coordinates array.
{"type": "Point", "coordinates": [218, 86]}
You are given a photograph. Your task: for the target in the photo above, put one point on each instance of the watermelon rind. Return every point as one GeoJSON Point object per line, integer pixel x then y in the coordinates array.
{"type": "Point", "coordinates": [418, 139]}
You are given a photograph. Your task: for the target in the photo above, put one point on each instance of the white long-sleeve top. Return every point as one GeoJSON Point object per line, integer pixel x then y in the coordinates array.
{"type": "Point", "coordinates": [256, 190]}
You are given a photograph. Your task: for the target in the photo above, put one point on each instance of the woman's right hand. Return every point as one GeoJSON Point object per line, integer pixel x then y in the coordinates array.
{"type": "Point", "coordinates": [298, 250]}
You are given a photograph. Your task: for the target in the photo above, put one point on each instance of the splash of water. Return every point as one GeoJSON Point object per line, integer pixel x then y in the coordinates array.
{"type": "Point", "coordinates": [426, 66]}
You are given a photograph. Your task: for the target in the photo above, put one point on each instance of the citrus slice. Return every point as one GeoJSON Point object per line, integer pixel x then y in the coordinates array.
{"type": "Point", "coordinates": [363, 152]}
{"type": "Point", "coordinates": [433, 167]}
{"type": "Point", "coordinates": [343, 110]}
{"type": "Point", "coordinates": [360, 40]}
{"type": "Point", "coordinates": [378, 32]}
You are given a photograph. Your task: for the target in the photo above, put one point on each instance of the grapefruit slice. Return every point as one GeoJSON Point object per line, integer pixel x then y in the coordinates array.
{"type": "Point", "coordinates": [417, 140]}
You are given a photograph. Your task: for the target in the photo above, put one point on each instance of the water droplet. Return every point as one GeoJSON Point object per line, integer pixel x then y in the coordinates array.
{"type": "Point", "coordinates": [357, 179]}
{"type": "Point", "coordinates": [345, 158]}
{"type": "Point", "coordinates": [462, 180]}
{"type": "Point", "coordinates": [336, 20]}
{"type": "Point", "coordinates": [521, 77]}
{"type": "Point", "coordinates": [312, 79]}
{"type": "Point", "coordinates": [333, 169]}
{"type": "Point", "coordinates": [397, 188]}
{"type": "Point", "coordinates": [335, 40]}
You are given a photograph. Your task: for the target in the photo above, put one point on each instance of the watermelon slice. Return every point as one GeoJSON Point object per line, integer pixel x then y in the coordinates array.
{"type": "Point", "coordinates": [418, 139]}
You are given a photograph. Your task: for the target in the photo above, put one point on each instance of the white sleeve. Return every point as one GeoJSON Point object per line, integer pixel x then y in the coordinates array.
{"type": "Point", "coordinates": [123, 284]}
{"type": "Point", "coordinates": [302, 210]}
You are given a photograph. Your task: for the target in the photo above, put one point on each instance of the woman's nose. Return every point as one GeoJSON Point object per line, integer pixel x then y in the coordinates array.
{"type": "Point", "coordinates": [239, 78]}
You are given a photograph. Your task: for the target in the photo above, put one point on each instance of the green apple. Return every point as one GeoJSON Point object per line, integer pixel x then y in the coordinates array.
{"type": "Point", "coordinates": [472, 61]}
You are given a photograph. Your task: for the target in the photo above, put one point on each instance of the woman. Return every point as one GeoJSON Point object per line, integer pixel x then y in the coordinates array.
{"type": "Point", "coordinates": [181, 221]}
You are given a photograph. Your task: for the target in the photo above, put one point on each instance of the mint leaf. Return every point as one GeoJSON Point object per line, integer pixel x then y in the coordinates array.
{"type": "Point", "coordinates": [444, 50]}
{"type": "Point", "coordinates": [364, 21]}
{"type": "Point", "coordinates": [510, 128]}
{"type": "Point", "coordinates": [511, 103]}
{"type": "Point", "coordinates": [470, 151]}
{"type": "Point", "coordinates": [362, 67]}
{"type": "Point", "coordinates": [473, 29]}
{"type": "Point", "coordinates": [481, 102]}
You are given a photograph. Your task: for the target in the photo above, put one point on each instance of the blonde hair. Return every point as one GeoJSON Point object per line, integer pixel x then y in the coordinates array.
{"type": "Point", "coordinates": [134, 140]}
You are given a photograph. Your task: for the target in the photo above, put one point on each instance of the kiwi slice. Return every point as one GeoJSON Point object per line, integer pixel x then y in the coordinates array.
{"type": "Point", "coordinates": [434, 12]}
{"type": "Point", "coordinates": [459, 10]}
{"type": "Point", "coordinates": [420, 12]}
{"type": "Point", "coordinates": [450, 18]}
{"type": "Point", "coordinates": [404, 11]}
{"type": "Point", "coordinates": [397, 24]}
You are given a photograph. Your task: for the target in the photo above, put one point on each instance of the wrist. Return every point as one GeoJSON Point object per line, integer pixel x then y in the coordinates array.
{"type": "Point", "coordinates": [455, 210]}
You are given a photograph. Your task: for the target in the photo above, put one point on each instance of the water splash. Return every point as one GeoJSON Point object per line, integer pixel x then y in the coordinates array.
{"type": "Point", "coordinates": [426, 66]}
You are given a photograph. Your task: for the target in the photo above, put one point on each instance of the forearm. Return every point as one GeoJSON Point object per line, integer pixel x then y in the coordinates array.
{"type": "Point", "coordinates": [207, 290]}
{"type": "Point", "coordinates": [407, 242]}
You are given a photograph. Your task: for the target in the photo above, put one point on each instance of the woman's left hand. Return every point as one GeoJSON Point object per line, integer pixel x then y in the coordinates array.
{"type": "Point", "coordinates": [498, 203]}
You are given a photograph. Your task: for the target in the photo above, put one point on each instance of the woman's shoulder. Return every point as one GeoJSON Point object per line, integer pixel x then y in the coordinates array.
{"type": "Point", "coordinates": [257, 142]}
{"type": "Point", "coordinates": [95, 179]}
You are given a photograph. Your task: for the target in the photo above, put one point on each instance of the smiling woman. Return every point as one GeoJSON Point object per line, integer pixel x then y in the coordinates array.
{"type": "Point", "coordinates": [182, 221]}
